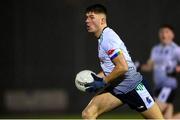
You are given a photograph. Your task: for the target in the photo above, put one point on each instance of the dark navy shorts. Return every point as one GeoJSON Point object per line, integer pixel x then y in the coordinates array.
{"type": "Point", "coordinates": [140, 98]}
{"type": "Point", "coordinates": [165, 94]}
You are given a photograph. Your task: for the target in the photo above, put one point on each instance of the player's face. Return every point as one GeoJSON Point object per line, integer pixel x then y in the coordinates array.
{"type": "Point", "coordinates": [93, 22]}
{"type": "Point", "coordinates": [166, 35]}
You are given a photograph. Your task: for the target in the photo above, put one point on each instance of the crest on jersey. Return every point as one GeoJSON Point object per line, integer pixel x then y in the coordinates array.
{"type": "Point", "coordinates": [110, 51]}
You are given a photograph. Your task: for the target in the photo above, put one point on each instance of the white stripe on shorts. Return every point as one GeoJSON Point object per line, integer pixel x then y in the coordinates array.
{"type": "Point", "coordinates": [145, 96]}
{"type": "Point", "coordinates": [164, 94]}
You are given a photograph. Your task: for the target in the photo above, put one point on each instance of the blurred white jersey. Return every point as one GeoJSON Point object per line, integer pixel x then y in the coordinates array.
{"type": "Point", "coordinates": [165, 58]}
{"type": "Point", "coordinates": [109, 47]}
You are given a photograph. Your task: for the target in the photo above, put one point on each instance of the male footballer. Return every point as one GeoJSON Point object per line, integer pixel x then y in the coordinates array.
{"type": "Point", "coordinates": [119, 80]}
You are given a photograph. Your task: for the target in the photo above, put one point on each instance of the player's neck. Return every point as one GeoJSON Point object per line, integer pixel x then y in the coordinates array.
{"type": "Point", "coordinates": [98, 33]}
{"type": "Point", "coordinates": [168, 43]}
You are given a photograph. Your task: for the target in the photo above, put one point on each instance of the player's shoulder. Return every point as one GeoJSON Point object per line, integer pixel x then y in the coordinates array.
{"type": "Point", "coordinates": [110, 35]}
{"type": "Point", "coordinates": [175, 45]}
{"type": "Point", "coordinates": [156, 47]}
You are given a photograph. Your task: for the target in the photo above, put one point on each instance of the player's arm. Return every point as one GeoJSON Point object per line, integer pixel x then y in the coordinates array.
{"type": "Point", "coordinates": [178, 68]}
{"type": "Point", "coordinates": [120, 68]}
{"type": "Point", "coordinates": [148, 66]}
{"type": "Point", "coordinates": [99, 82]}
{"type": "Point", "coordinates": [178, 60]}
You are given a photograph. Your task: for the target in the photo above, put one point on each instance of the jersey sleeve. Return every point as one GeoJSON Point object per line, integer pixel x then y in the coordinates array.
{"type": "Point", "coordinates": [177, 54]}
{"type": "Point", "coordinates": [112, 47]}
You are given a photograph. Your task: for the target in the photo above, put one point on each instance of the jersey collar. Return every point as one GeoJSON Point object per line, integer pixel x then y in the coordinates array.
{"type": "Point", "coordinates": [102, 32]}
{"type": "Point", "coordinates": [170, 44]}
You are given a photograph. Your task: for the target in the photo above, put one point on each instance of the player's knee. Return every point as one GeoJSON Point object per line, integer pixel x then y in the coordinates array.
{"type": "Point", "coordinates": [87, 114]}
{"type": "Point", "coordinates": [169, 106]}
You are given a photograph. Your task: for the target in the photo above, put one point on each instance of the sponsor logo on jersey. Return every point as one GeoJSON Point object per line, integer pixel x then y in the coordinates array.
{"type": "Point", "coordinates": [110, 51]}
{"type": "Point", "coordinates": [140, 87]}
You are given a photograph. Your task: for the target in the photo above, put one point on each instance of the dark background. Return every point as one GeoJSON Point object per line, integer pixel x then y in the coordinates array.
{"type": "Point", "coordinates": [44, 43]}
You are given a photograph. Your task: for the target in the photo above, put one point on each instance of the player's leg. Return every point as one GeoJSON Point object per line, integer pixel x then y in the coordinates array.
{"type": "Point", "coordinates": [164, 99]}
{"type": "Point", "coordinates": [143, 102]}
{"type": "Point", "coordinates": [99, 104]}
{"type": "Point", "coordinates": [176, 116]}
{"type": "Point", "coordinates": [161, 105]}
{"type": "Point", "coordinates": [168, 113]}
{"type": "Point", "coordinates": [153, 112]}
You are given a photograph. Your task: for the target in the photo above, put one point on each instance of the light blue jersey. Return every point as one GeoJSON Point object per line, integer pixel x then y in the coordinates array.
{"type": "Point", "coordinates": [165, 58]}
{"type": "Point", "coordinates": [110, 46]}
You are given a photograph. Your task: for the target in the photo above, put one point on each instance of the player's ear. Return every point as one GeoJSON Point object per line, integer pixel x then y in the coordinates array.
{"type": "Point", "coordinates": [103, 20]}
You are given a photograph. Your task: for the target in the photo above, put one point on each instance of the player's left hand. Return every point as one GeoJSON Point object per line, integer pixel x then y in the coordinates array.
{"type": "Point", "coordinates": [97, 84]}
{"type": "Point", "coordinates": [178, 69]}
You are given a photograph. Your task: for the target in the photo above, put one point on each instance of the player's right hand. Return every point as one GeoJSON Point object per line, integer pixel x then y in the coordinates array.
{"type": "Point", "coordinates": [96, 85]}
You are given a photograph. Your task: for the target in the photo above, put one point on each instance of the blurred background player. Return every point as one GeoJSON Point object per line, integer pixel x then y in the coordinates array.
{"type": "Point", "coordinates": [129, 87]}
{"type": "Point", "coordinates": [164, 62]}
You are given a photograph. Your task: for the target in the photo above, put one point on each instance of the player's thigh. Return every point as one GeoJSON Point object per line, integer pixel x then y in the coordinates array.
{"type": "Point", "coordinates": [153, 112]}
{"type": "Point", "coordinates": [102, 103]}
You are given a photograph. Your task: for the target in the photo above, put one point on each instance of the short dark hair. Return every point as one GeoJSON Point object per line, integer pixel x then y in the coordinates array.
{"type": "Point", "coordinates": [167, 26]}
{"type": "Point", "coordinates": [97, 8]}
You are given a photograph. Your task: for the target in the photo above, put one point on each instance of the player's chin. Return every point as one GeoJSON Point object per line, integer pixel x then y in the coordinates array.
{"type": "Point", "coordinates": [90, 30]}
